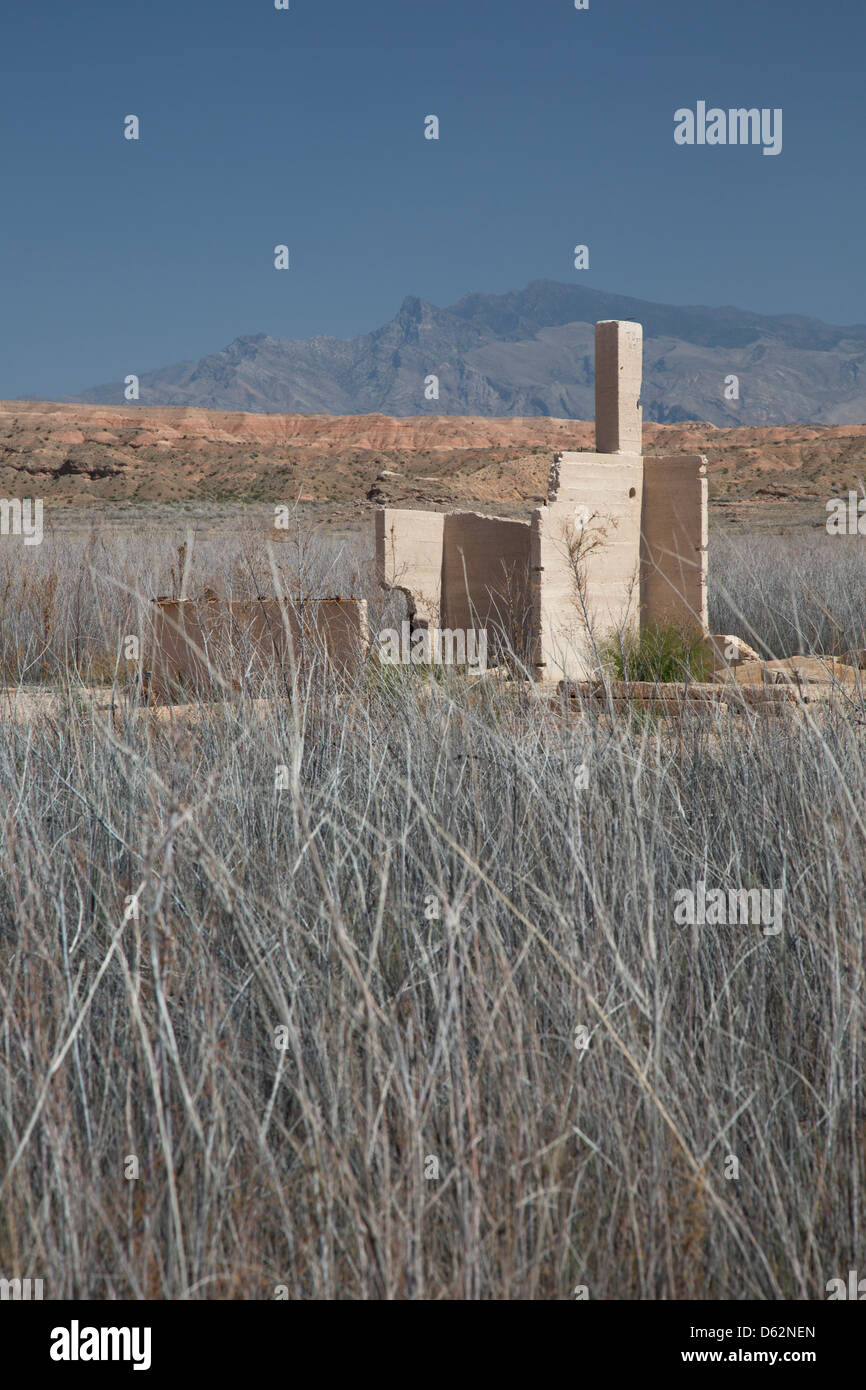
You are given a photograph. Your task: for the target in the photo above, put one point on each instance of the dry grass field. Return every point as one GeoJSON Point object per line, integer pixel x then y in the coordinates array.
{"type": "Point", "coordinates": [377, 991]}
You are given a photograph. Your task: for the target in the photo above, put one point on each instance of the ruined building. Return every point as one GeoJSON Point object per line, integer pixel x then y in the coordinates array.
{"type": "Point", "coordinates": [621, 541]}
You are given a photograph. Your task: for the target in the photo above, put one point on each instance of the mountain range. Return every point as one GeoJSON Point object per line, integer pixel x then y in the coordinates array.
{"type": "Point", "coordinates": [530, 353]}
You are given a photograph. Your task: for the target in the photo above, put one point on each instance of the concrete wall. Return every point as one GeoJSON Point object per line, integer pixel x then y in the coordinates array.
{"type": "Point", "coordinates": [409, 553]}
{"type": "Point", "coordinates": [176, 651]}
{"type": "Point", "coordinates": [211, 647]}
{"type": "Point", "coordinates": [586, 542]}
{"type": "Point", "coordinates": [343, 630]}
{"type": "Point", "coordinates": [460, 570]}
{"type": "Point", "coordinates": [486, 576]}
{"type": "Point", "coordinates": [618, 374]}
{"type": "Point", "coordinates": [674, 541]}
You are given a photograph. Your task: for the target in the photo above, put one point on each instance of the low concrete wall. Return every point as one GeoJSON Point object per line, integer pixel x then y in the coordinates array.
{"type": "Point", "coordinates": [674, 541]}
{"type": "Point", "coordinates": [209, 647]}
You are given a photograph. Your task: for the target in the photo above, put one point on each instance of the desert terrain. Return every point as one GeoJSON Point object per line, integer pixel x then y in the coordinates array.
{"type": "Point", "coordinates": [85, 460]}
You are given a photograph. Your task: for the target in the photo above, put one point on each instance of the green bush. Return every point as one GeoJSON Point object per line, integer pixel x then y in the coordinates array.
{"type": "Point", "coordinates": [657, 652]}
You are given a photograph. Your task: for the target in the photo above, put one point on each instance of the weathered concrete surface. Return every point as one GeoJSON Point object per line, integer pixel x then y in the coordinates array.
{"type": "Point", "coordinates": [810, 670]}
{"type": "Point", "coordinates": [730, 651]}
{"type": "Point", "coordinates": [814, 676]}
{"type": "Point", "coordinates": [211, 647]}
{"type": "Point", "coordinates": [409, 552]}
{"type": "Point", "coordinates": [203, 712]}
{"type": "Point", "coordinates": [674, 541]}
{"type": "Point", "coordinates": [485, 575]}
{"type": "Point", "coordinates": [618, 375]}
{"type": "Point", "coordinates": [673, 697]}
{"type": "Point", "coordinates": [27, 704]}
{"type": "Point", "coordinates": [584, 561]}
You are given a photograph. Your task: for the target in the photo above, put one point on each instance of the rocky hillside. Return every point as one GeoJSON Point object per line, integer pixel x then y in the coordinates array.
{"type": "Point", "coordinates": [530, 353]}
{"type": "Point", "coordinates": [77, 456]}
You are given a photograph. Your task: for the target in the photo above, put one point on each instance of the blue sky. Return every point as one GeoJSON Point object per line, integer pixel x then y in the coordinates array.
{"type": "Point", "coordinates": [306, 127]}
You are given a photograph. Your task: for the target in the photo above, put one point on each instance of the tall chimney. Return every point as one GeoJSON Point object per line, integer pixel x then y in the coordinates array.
{"type": "Point", "coordinates": [618, 371]}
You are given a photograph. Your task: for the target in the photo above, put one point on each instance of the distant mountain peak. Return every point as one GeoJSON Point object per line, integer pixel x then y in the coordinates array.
{"type": "Point", "coordinates": [529, 352]}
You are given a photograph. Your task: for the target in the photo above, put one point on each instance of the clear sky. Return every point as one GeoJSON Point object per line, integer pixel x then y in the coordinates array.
{"type": "Point", "coordinates": [306, 127]}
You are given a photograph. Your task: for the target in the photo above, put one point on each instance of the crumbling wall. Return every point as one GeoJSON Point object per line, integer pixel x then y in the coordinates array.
{"type": "Point", "coordinates": [409, 549]}
{"type": "Point", "coordinates": [622, 541]}
{"type": "Point", "coordinates": [585, 548]}
{"type": "Point", "coordinates": [674, 541]}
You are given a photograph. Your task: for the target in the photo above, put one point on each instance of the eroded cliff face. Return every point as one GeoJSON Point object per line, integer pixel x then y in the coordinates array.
{"type": "Point", "coordinates": [76, 454]}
